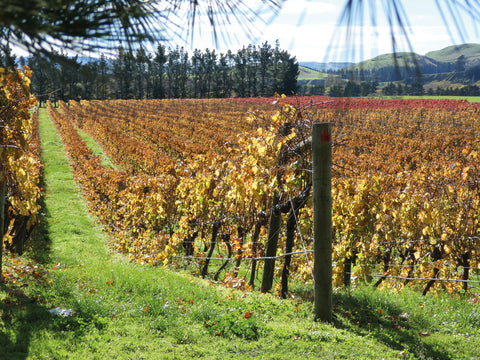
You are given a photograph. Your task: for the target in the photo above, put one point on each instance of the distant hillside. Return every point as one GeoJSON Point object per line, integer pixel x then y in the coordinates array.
{"type": "Point", "coordinates": [399, 67]}
{"type": "Point", "coordinates": [452, 53]}
{"type": "Point", "coordinates": [311, 81]}
{"type": "Point", "coordinates": [323, 67]}
{"type": "Point", "coordinates": [453, 65]}
{"type": "Point", "coordinates": [306, 74]}
{"type": "Point", "coordinates": [404, 59]}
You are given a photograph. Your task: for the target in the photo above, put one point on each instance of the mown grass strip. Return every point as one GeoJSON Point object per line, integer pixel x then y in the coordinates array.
{"type": "Point", "coordinates": [97, 150]}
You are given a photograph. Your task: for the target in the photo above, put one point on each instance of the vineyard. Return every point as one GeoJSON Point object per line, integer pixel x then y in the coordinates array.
{"type": "Point", "coordinates": [208, 183]}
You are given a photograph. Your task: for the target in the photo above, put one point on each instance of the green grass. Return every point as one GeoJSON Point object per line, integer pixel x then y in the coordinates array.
{"type": "Point", "coordinates": [307, 74]}
{"type": "Point", "coordinates": [471, 99]}
{"type": "Point", "coordinates": [128, 311]}
{"type": "Point", "coordinates": [97, 150]}
{"type": "Point", "coordinates": [452, 53]}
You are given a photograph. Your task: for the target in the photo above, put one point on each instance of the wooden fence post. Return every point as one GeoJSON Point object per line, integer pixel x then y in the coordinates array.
{"type": "Point", "coordinates": [322, 218]}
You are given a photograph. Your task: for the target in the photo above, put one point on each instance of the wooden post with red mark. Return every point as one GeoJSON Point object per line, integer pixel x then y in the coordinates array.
{"type": "Point", "coordinates": [322, 218]}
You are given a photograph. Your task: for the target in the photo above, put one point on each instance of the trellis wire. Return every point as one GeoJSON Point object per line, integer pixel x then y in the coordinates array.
{"type": "Point", "coordinates": [246, 258]}
{"type": "Point", "coordinates": [301, 238]}
{"type": "Point", "coordinates": [423, 279]}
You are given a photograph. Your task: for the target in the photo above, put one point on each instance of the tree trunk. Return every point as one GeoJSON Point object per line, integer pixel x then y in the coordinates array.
{"type": "Point", "coordinates": [466, 267]}
{"type": "Point", "coordinates": [386, 265]}
{"type": "Point", "coordinates": [188, 244]}
{"type": "Point", "coordinates": [226, 240]}
{"type": "Point", "coordinates": [273, 232]}
{"type": "Point", "coordinates": [256, 235]}
{"type": "Point", "coordinates": [216, 226]}
{"type": "Point", "coordinates": [436, 255]}
{"type": "Point", "coordinates": [290, 238]}
{"type": "Point", "coordinates": [241, 236]}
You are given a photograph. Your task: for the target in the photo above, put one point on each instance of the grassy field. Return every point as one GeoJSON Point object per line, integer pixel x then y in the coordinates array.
{"type": "Point", "coordinates": [123, 310]}
{"type": "Point", "coordinates": [310, 74]}
{"type": "Point", "coordinates": [471, 99]}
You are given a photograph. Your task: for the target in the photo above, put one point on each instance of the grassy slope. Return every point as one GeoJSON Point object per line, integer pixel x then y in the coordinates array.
{"type": "Point", "coordinates": [451, 53]}
{"type": "Point", "coordinates": [432, 80]}
{"type": "Point", "coordinates": [306, 74]}
{"type": "Point", "coordinates": [387, 60]}
{"type": "Point", "coordinates": [127, 311]}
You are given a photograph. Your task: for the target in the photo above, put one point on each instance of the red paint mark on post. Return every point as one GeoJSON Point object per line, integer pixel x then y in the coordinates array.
{"type": "Point", "coordinates": [326, 136]}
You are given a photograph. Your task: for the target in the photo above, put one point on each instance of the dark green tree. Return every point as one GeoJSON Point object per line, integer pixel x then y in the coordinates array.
{"type": "Point", "coordinates": [209, 69]}
{"type": "Point", "coordinates": [289, 75]}
{"type": "Point", "coordinates": [240, 73]}
{"type": "Point", "coordinates": [123, 74]}
{"type": "Point", "coordinates": [390, 89]}
{"type": "Point", "coordinates": [141, 67]}
{"type": "Point", "coordinates": [7, 57]}
{"type": "Point", "coordinates": [352, 89]}
{"type": "Point", "coordinates": [158, 69]}
{"type": "Point", "coordinates": [253, 61]}
{"type": "Point", "coordinates": [460, 64]}
{"type": "Point", "coordinates": [46, 80]}
{"type": "Point", "coordinates": [264, 68]}
{"type": "Point", "coordinates": [225, 64]}
{"type": "Point", "coordinates": [197, 73]}
{"type": "Point", "coordinates": [103, 77]}
{"type": "Point", "coordinates": [400, 89]}
{"type": "Point", "coordinates": [88, 81]}
{"type": "Point", "coordinates": [336, 90]}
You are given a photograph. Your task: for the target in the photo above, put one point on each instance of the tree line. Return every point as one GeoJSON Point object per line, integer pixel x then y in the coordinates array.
{"type": "Point", "coordinates": [418, 89]}
{"type": "Point", "coordinates": [254, 71]}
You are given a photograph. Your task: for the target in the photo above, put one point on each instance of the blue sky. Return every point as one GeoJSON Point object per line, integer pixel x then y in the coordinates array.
{"type": "Point", "coordinates": [305, 28]}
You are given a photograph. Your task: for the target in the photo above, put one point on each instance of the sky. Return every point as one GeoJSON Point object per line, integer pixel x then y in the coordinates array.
{"type": "Point", "coordinates": [306, 28]}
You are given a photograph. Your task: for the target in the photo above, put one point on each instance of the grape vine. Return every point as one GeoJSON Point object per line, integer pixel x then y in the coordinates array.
{"type": "Point", "coordinates": [201, 176]}
{"type": "Point", "coordinates": [20, 165]}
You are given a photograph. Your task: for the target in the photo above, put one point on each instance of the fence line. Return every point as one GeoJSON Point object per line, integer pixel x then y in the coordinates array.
{"type": "Point", "coordinates": [467, 238]}
{"type": "Point", "coordinates": [301, 237]}
{"type": "Point", "coordinates": [192, 257]}
{"type": "Point", "coordinates": [424, 279]}
{"type": "Point", "coordinates": [393, 242]}
{"type": "Point", "coordinates": [417, 265]}
{"type": "Point", "coordinates": [407, 126]}
{"type": "Point", "coordinates": [246, 258]}
{"type": "Point", "coordinates": [389, 242]}
{"type": "Point", "coordinates": [397, 277]}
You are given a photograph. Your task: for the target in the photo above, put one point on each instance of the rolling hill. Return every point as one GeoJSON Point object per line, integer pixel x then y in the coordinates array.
{"type": "Point", "coordinates": [456, 65]}
{"type": "Point", "coordinates": [452, 53]}
{"type": "Point", "coordinates": [311, 81]}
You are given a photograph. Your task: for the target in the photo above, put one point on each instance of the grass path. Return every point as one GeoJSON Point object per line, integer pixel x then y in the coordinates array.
{"type": "Point", "coordinates": [128, 311]}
